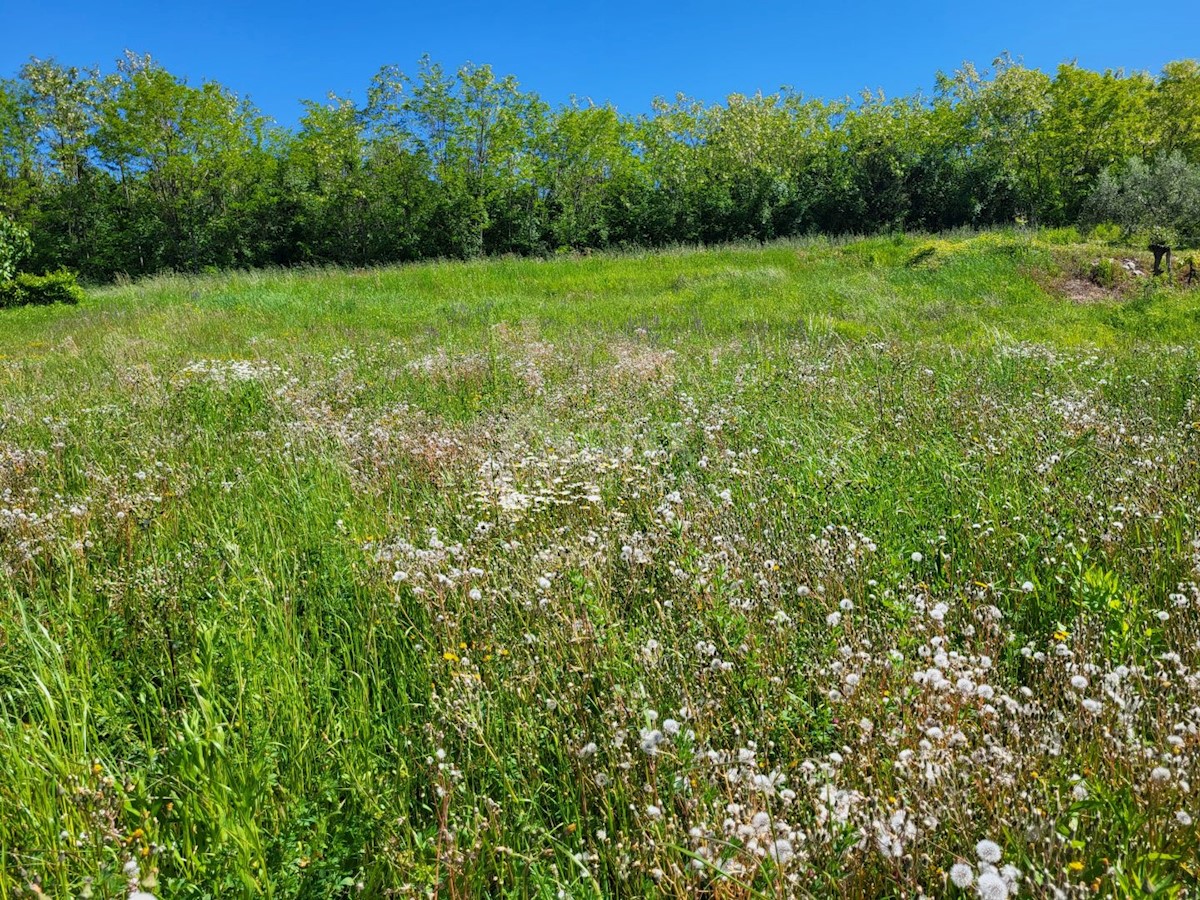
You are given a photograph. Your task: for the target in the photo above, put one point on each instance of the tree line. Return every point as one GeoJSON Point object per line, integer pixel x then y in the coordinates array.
{"type": "Point", "coordinates": [136, 170]}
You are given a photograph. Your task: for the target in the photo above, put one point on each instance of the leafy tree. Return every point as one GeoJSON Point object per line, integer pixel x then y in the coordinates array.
{"type": "Point", "coordinates": [14, 246]}
{"type": "Point", "coordinates": [178, 153]}
{"type": "Point", "coordinates": [135, 170]}
{"type": "Point", "coordinates": [1176, 109]}
{"type": "Point", "coordinates": [1159, 200]}
{"type": "Point", "coordinates": [587, 158]}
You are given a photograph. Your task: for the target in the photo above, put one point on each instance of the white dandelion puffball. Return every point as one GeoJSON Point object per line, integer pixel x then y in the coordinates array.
{"type": "Point", "coordinates": [962, 875]}
{"type": "Point", "coordinates": [988, 851]}
{"type": "Point", "coordinates": [991, 887]}
{"type": "Point", "coordinates": [782, 851]}
{"type": "Point", "coordinates": [917, 556]}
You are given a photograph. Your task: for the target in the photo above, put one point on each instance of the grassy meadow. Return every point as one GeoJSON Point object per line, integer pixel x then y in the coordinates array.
{"type": "Point", "coordinates": [864, 568]}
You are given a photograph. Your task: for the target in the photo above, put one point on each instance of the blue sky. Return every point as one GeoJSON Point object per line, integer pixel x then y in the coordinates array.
{"type": "Point", "coordinates": [622, 52]}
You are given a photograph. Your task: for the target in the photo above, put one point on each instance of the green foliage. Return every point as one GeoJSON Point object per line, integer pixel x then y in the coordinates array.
{"type": "Point", "coordinates": [1107, 273]}
{"type": "Point", "coordinates": [135, 170]}
{"type": "Point", "coordinates": [1060, 236]}
{"type": "Point", "coordinates": [1158, 202]}
{"type": "Point", "coordinates": [1106, 233]}
{"type": "Point", "coordinates": [14, 247]}
{"type": "Point", "coordinates": [41, 290]}
{"type": "Point", "coordinates": [924, 257]}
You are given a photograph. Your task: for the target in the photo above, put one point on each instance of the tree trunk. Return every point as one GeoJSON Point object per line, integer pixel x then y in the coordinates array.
{"type": "Point", "coordinates": [1159, 251]}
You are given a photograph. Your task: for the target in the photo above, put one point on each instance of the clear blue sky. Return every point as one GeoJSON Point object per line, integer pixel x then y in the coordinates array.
{"type": "Point", "coordinates": [624, 52]}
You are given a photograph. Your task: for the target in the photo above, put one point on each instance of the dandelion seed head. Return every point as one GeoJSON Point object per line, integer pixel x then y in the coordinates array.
{"type": "Point", "coordinates": [961, 875]}
{"type": "Point", "coordinates": [991, 886]}
{"type": "Point", "coordinates": [988, 851]}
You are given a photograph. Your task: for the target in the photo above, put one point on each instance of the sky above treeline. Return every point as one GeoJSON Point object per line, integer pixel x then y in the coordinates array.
{"type": "Point", "coordinates": [624, 52]}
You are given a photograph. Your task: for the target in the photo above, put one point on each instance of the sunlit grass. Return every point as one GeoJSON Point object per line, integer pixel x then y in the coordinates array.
{"type": "Point", "coordinates": [785, 571]}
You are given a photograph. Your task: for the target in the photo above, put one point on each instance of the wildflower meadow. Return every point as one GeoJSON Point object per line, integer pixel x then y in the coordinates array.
{"type": "Point", "coordinates": [823, 568]}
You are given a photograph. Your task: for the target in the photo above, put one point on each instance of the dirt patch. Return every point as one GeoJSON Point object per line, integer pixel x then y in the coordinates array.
{"type": "Point", "coordinates": [1085, 291]}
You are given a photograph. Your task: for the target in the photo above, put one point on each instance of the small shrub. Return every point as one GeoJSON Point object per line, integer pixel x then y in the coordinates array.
{"type": "Point", "coordinates": [41, 290]}
{"type": "Point", "coordinates": [1060, 236]}
{"type": "Point", "coordinates": [1106, 233]}
{"type": "Point", "coordinates": [1106, 272]}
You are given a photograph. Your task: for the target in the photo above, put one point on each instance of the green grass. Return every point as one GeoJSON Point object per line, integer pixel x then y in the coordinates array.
{"type": "Point", "coordinates": [384, 583]}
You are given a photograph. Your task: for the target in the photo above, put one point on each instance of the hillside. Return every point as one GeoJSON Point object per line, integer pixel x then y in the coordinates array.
{"type": "Point", "coordinates": [819, 568]}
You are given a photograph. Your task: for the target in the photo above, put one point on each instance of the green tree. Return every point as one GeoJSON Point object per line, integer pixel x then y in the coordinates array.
{"type": "Point", "coordinates": [1159, 200]}
{"type": "Point", "coordinates": [14, 246]}
{"type": "Point", "coordinates": [587, 161]}
{"type": "Point", "coordinates": [179, 154]}
{"type": "Point", "coordinates": [1176, 109]}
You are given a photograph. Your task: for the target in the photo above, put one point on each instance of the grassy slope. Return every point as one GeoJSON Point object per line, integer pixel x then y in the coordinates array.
{"type": "Point", "coordinates": [859, 290]}
{"type": "Point", "coordinates": [207, 661]}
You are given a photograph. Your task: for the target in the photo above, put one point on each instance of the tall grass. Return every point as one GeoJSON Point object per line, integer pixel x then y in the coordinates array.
{"type": "Point", "coordinates": [785, 571]}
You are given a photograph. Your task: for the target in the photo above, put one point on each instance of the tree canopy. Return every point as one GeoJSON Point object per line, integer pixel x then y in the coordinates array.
{"type": "Point", "coordinates": [136, 170]}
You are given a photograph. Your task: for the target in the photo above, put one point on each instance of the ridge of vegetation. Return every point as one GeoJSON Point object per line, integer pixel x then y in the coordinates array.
{"type": "Point", "coordinates": [134, 170]}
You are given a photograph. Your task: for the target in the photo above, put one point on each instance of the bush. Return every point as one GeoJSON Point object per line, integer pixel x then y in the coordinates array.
{"type": "Point", "coordinates": [14, 246]}
{"type": "Point", "coordinates": [1107, 233]}
{"type": "Point", "coordinates": [1060, 236]}
{"type": "Point", "coordinates": [41, 290]}
{"type": "Point", "coordinates": [1107, 273]}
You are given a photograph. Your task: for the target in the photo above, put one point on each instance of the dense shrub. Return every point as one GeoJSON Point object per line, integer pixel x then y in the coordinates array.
{"type": "Point", "coordinates": [14, 246]}
{"type": "Point", "coordinates": [1062, 236]}
{"type": "Point", "coordinates": [40, 290]}
{"type": "Point", "coordinates": [1106, 233]}
{"type": "Point", "coordinates": [1106, 272]}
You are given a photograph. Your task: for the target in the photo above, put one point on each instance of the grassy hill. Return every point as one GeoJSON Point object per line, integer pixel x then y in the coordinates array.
{"type": "Point", "coordinates": [798, 570]}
